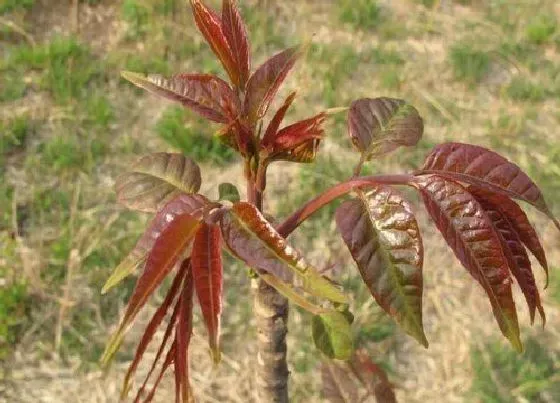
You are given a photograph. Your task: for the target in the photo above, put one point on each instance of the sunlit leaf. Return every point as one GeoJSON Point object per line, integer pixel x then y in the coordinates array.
{"type": "Point", "coordinates": [380, 125]}
{"type": "Point", "coordinates": [166, 251]}
{"type": "Point", "coordinates": [236, 34]}
{"type": "Point", "coordinates": [155, 179]}
{"type": "Point", "coordinates": [182, 204]}
{"type": "Point", "coordinates": [264, 83]}
{"type": "Point", "coordinates": [383, 237]}
{"type": "Point", "coordinates": [207, 272]}
{"type": "Point", "coordinates": [229, 192]}
{"type": "Point", "coordinates": [254, 240]}
{"type": "Point", "coordinates": [515, 253]}
{"type": "Point", "coordinates": [183, 334]}
{"type": "Point", "coordinates": [332, 335]}
{"type": "Point", "coordinates": [338, 386]}
{"type": "Point", "coordinates": [277, 119]}
{"type": "Point", "coordinates": [210, 25]}
{"type": "Point", "coordinates": [471, 235]}
{"type": "Point", "coordinates": [484, 168]}
{"type": "Point", "coordinates": [207, 95]}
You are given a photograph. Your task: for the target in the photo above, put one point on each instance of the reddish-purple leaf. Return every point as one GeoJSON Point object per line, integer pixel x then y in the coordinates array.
{"type": "Point", "coordinates": [378, 126]}
{"type": "Point", "coordinates": [338, 386]}
{"type": "Point", "coordinates": [155, 179]}
{"type": "Point", "coordinates": [293, 136]}
{"type": "Point", "coordinates": [264, 83]}
{"type": "Point", "coordinates": [153, 325]}
{"type": "Point", "coordinates": [236, 34]}
{"type": "Point", "coordinates": [519, 221]}
{"type": "Point", "coordinates": [383, 237]}
{"type": "Point", "coordinates": [207, 271]}
{"type": "Point", "coordinates": [166, 364]}
{"type": "Point", "coordinates": [166, 251]}
{"type": "Point", "coordinates": [471, 235]}
{"type": "Point", "coordinates": [372, 376]}
{"type": "Point", "coordinates": [192, 204]}
{"type": "Point", "coordinates": [210, 25]}
{"type": "Point", "coordinates": [207, 95]}
{"type": "Point", "coordinates": [277, 119]}
{"type": "Point", "coordinates": [183, 334]}
{"type": "Point", "coordinates": [253, 239]}
{"type": "Point", "coordinates": [484, 168]}
{"type": "Point", "coordinates": [515, 253]}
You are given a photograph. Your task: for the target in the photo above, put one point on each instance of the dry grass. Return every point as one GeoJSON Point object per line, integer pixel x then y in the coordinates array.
{"type": "Point", "coordinates": [65, 249]}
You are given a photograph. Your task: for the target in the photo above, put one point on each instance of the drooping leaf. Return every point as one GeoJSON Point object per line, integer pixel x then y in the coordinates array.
{"type": "Point", "coordinates": [383, 237]}
{"type": "Point", "coordinates": [210, 25]}
{"type": "Point", "coordinates": [516, 255]}
{"type": "Point", "coordinates": [236, 34]}
{"type": "Point", "coordinates": [229, 192]}
{"type": "Point", "coordinates": [519, 221]}
{"type": "Point", "coordinates": [183, 334]}
{"type": "Point", "coordinates": [372, 376]}
{"type": "Point", "coordinates": [152, 327]}
{"type": "Point", "coordinates": [207, 272]}
{"type": "Point", "coordinates": [277, 119]}
{"type": "Point", "coordinates": [484, 168]}
{"type": "Point", "coordinates": [253, 239]}
{"type": "Point", "coordinates": [338, 386]}
{"type": "Point", "coordinates": [264, 83]}
{"type": "Point", "coordinates": [293, 136]}
{"type": "Point", "coordinates": [207, 95]}
{"type": "Point", "coordinates": [166, 252]}
{"type": "Point", "coordinates": [332, 335]}
{"type": "Point", "coordinates": [380, 125]}
{"type": "Point", "coordinates": [288, 291]}
{"type": "Point", "coordinates": [182, 204]}
{"type": "Point", "coordinates": [471, 235]}
{"type": "Point", "coordinates": [155, 179]}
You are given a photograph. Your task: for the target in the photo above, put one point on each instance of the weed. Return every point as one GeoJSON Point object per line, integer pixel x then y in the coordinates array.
{"type": "Point", "coordinates": [469, 64]}
{"type": "Point", "coordinates": [541, 28]}
{"type": "Point", "coordinates": [192, 139]}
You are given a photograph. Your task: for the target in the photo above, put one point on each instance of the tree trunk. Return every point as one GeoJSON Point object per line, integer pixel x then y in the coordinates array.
{"type": "Point", "coordinates": [271, 312]}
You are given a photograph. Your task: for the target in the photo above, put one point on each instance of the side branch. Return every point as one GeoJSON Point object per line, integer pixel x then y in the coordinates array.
{"type": "Point", "coordinates": [292, 222]}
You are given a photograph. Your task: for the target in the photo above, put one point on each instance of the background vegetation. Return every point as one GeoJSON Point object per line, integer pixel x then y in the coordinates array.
{"type": "Point", "coordinates": [484, 72]}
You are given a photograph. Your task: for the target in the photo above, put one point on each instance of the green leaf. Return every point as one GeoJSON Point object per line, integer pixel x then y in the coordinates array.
{"type": "Point", "coordinates": [332, 335]}
{"type": "Point", "coordinates": [229, 192]}
{"type": "Point", "coordinates": [155, 179]}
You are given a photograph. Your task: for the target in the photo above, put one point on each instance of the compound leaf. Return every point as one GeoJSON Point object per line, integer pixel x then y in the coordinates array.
{"type": "Point", "coordinates": [207, 95]}
{"type": "Point", "coordinates": [155, 179]}
{"type": "Point", "coordinates": [471, 235]}
{"type": "Point", "coordinates": [206, 259]}
{"type": "Point", "coordinates": [484, 168]}
{"type": "Point", "coordinates": [277, 119]}
{"type": "Point", "coordinates": [383, 237]}
{"type": "Point", "coordinates": [265, 81]}
{"type": "Point", "coordinates": [380, 125]}
{"type": "Point", "coordinates": [254, 240]}
{"type": "Point", "coordinates": [332, 335]}
{"type": "Point", "coordinates": [236, 34]}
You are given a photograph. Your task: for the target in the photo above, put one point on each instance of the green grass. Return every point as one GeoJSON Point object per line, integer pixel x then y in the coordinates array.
{"type": "Point", "coordinates": [137, 15]}
{"type": "Point", "coordinates": [541, 28]}
{"type": "Point", "coordinates": [503, 376]}
{"type": "Point", "coordinates": [468, 63]}
{"type": "Point", "coordinates": [7, 6]}
{"type": "Point", "coordinates": [13, 134]}
{"type": "Point", "coordinates": [193, 137]}
{"type": "Point", "coordinates": [13, 86]}
{"type": "Point", "coordinates": [361, 14]}
{"type": "Point", "coordinates": [522, 89]}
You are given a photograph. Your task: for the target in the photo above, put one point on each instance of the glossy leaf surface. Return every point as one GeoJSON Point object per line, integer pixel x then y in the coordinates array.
{"type": "Point", "coordinates": [265, 81]}
{"type": "Point", "coordinates": [207, 270]}
{"type": "Point", "coordinates": [484, 168]}
{"type": "Point", "coordinates": [207, 95]}
{"type": "Point", "coordinates": [516, 255]}
{"type": "Point", "coordinates": [210, 26]}
{"type": "Point", "coordinates": [254, 240]}
{"type": "Point", "coordinates": [182, 204]}
{"type": "Point", "coordinates": [236, 35]}
{"type": "Point", "coordinates": [380, 125]}
{"type": "Point", "coordinates": [332, 335]}
{"type": "Point", "coordinates": [383, 237]}
{"type": "Point", "coordinates": [338, 386]}
{"type": "Point", "coordinates": [471, 235]}
{"type": "Point", "coordinates": [155, 179]}
{"type": "Point", "coordinates": [166, 252]}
